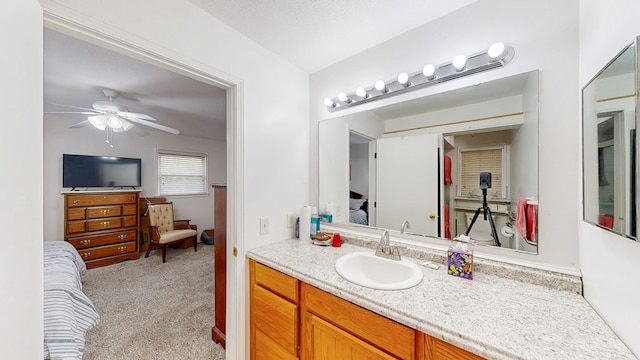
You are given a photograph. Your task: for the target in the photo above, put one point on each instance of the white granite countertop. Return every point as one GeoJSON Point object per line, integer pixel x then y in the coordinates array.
{"type": "Point", "coordinates": [492, 316]}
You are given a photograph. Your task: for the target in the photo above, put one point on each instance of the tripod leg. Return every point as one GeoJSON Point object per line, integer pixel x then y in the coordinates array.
{"type": "Point", "coordinates": [473, 221]}
{"type": "Point", "coordinates": [487, 211]}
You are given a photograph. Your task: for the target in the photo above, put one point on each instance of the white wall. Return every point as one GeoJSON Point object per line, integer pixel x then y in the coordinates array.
{"type": "Point", "coordinates": [272, 144]}
{"type": "Point", "coordinates": [608, 261]}
{"type": "Point", "coordinates": [21, 159]}
{"type": "Point", "coordinates": [60, 139]}
{"type": "Point", "coordinates": [544, 35]}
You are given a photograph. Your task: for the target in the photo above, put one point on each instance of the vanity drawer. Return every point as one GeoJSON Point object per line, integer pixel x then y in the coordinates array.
{"type": "Point", "coordinates": [104, 224]}
{"type": "Point", "coordinates": [277, 282]}
{"type": "Point", "coordinates": [436, 349]}
{"type": "Point", "coordinates": [109, 250]}
{"type": "Point", "coordinates": [83, 242]}
{"type": "Point", "coordinates": [105, 211]}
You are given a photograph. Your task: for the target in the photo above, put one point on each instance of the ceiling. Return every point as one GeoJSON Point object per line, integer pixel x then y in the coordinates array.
{"type": "Point", "coordinates": [309, 34]}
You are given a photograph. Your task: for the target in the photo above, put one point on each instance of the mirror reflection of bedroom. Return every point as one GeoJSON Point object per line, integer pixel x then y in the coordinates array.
{"type": "Point", "coordinates": [360, 168]}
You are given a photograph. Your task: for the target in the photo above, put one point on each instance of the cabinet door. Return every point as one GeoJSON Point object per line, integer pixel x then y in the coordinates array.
{"type": "Point", "coordinates": [436, 349]}
{"type": "Point", "coordinates": [329, 342]}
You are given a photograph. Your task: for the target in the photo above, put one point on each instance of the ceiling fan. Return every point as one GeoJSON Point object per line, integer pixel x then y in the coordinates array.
{"type": "Point", "coordinates": [113, 117]}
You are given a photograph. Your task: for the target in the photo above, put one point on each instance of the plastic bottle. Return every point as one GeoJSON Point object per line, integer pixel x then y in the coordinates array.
{"type": "Point", "coordinates": [315, 221]}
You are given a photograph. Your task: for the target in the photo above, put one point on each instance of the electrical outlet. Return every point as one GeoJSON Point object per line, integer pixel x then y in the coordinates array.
{"type": "Point", "coordinates": [264, 226]}
{"type": "Point", "coordinates": [291, 220]}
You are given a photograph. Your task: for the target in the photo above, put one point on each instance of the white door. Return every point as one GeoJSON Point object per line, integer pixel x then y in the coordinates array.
{"type": "Point", "coordinates": [407, 183]}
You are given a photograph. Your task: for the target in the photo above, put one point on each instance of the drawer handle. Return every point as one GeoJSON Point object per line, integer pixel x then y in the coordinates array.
{"type": "Point", "coordinates": [76, 201]}
{"type": "Point", "coordinates": [122, 237]}
{"type": "Point", "coordinates": [104, 223]}
{"type": "Point", "coordinates": [104, 211]}
{"type": "Point", "coordinates": [122, 248]}
{"type": "Point", "coordinates": [85, 242]}
{"type": "Point", "coordinates": [85, 255]}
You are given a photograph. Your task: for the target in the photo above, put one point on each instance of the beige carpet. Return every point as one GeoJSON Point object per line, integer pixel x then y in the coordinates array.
{"type": "Point", "coordinates": [151, 310]}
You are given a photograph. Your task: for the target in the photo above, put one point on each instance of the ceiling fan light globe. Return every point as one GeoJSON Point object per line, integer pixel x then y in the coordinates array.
{"type": "Point", "coordinates": [114, 122]}
{"type": "Point", "coordinates": [99, 122]}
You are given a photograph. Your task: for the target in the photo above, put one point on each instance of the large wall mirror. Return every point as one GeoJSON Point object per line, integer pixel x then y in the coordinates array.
{"type": "Point", "coordinates": [419, 163]}
{"type": "Point", "coordinates": [609, 122]}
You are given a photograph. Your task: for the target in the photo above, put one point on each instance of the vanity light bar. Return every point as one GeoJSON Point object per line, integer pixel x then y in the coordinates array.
{"type": "Point", "coordinates": [498, 55]}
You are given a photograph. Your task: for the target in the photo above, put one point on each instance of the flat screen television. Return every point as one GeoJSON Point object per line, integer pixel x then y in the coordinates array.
{"type": "Point", "coordinates": [86, 171]}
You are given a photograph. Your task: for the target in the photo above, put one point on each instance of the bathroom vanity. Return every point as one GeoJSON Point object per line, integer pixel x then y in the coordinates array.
{"type": "Point", "coordinates": [301, 308]}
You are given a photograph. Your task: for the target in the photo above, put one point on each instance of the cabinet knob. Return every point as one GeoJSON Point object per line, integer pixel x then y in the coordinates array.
{"type": "Point", "coordinates": [76, 201]}
{"type": "Point", "coordinates": [432, 216]}
{"type": "Point", "coordinates": [85, 242]}
{"type": "Point", "coordinates": [85, 255]}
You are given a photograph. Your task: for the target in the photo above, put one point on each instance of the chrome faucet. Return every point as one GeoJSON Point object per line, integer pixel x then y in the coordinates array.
{"type": "Point", "coordinates": [385, 249]}
{"type": "Point", "coordinates": [405, 225]}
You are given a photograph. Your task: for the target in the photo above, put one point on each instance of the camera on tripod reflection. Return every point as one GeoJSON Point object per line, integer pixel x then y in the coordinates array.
{"type": "Point", "coordinates": [485, 180]}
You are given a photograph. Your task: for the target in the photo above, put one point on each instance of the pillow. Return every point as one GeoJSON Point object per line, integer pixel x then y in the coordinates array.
{"type": "Point", "coordinates": [355, 204]}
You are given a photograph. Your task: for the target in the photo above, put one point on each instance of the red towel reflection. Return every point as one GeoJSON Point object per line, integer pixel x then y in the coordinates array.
{"type": "Point", "coordinates": [606, 221]}
{"type": "Point", "coordinates": [526, 219]}
{"type": "Point", "coordinates": [447, 231]}
{"type": "Point", "coordinates": [447, 170]}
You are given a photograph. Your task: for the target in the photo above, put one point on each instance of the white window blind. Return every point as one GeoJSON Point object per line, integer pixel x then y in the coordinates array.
{"type": "Point", "coordinates": [475, 161]}
{"type": "Point", "coordinates": [182, 174]}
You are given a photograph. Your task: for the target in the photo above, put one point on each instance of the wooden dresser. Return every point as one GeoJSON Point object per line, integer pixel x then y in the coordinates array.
{"type": "Point", "coordinates": [220, 265]}
{"type": "Point", "coordinates": [103, 226]}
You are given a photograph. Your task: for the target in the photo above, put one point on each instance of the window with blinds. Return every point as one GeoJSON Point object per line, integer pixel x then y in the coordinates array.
{"type": "Point", "coordinates": [182, 174]}
{"type": "Point", "coordinates": [473, 161]}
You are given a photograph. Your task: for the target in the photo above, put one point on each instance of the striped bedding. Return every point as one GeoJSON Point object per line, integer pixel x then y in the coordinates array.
{"type": "Point", "coordinates": [68, 312]}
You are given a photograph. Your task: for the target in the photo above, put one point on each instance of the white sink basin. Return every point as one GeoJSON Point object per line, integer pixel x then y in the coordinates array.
{"type": "Point", "coordinates": [367, 269]}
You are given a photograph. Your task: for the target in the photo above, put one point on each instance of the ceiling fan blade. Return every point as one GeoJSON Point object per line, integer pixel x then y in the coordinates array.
{"type": "Point", "coordinates": [81, 124]}
{"type": "Point", "coordinates": [155, 125]}
{"type": "Point", "coordinates": [73, 112]}
{"type": "Point", "coordinates": [73, 107]}
{"type": "Point", "coordinates": [140, 131]}
{"type": "Point", "coordinates": [131, 115]}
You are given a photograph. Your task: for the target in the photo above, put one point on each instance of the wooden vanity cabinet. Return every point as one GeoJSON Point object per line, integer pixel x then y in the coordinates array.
{"type": "Point", "coordinates": [333, 328]}
{"type": "Point", "coordinates": [436, 349]}
{"type": "Point", "coordinates": [102, 226]}
{"type": "Point", "coordinates": [290, 319]}
{"type": "Point", "coordinates": [274, 314]}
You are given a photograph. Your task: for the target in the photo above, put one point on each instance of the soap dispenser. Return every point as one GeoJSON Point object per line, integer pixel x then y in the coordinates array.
{"type": "Point", "coordinates": [315, 221]}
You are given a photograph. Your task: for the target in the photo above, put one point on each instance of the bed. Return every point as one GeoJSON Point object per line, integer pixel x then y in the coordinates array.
{"type": "Point", "coordinates": [358, 209]}
{"type": "Point", "coordinates": [68, 312]}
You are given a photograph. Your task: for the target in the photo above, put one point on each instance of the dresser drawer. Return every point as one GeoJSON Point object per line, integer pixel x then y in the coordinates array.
{"type": "Point", "coordinates": [100, 199]}
{"type": "Point", "coordinates": [76, 214]}
{"type": "Point", "coordinates": [129, 221]}
{"type": "Point", "coordinates": [129, 210]}
{"type": "Point", "coordinates": [104, 211]}
{"type": "Point", "coordinates": [82, 242]}
{"type": "Point", "coordinates": [104, 224]}
{"type": "Point", "coordinates": [277, 282]}
{"type": "Point", "coordinates": [76, 227]}
{"type": "Point", "coordinates": [108, 250]}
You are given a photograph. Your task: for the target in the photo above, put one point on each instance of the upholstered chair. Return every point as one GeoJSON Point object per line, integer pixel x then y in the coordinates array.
{"type": "Point", "coordinates": [165, 231]}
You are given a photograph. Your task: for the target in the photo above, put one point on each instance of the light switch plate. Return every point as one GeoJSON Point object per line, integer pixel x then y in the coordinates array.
{"type": "Point", "coordinates": [264, 226]}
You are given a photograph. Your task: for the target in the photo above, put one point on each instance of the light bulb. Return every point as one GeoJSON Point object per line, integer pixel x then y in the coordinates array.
{"type": "Point", "coordinates": [114, 122]}
{"type": "Point", "coordinates": [403, 78]}
{"type": "Point", "coordinates": [380, 86]}
{"type": "Point", "coordinates": [459, 62]}
{"type": "Point", "coordinates": [329, 102]}
{"type": "Point", "coordinates": [429, 71]}
{"type": "Point", "coordinates": [496, 51]}
{"type": "Point", "coordinates": [361, 92]}
{"type": "Point", "coordinates": [343, 97]}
